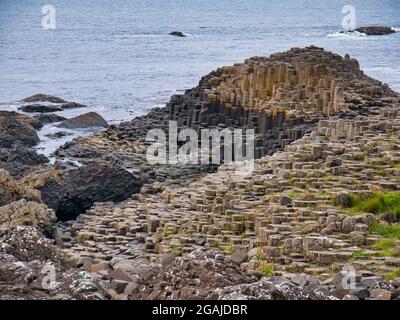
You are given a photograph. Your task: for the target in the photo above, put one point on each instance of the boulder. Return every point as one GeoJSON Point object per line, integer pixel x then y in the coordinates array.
{"type": "Point", "coordinates": [58, 135]}
{"type": "Point", "coordinates": [72, 105]}
{"type": "Point", "coordinates": [86, 120]}
{"type": "Point", "coordinates": [49, 118]}
{"type": "Point", "coordinates": [177, 34]}
{"type": "Point", "coordinates": [17, 129]}
{"type": "Point", "coordinates": [71, 192]}
{"type": "Point", "coordinates": [348, 224]}
{"type": "Point", "coordinates": [342, 199]}
{"type": "Point", "coordinates": [44, 98]}
{"type": "Point", "coordinates": [48, 183]}
{"type": "Point", "coordinates": [20, 161]}
{"type": "Point", "coordinates": [239, 257]}
{"type": "Point", "coordinates": [375, 30]}
{"type": "Point", "coordinates": [40, 108]}
{"type": "Point", "coordinates": [11, 191]}
{"type": "Point", "coordinates": [27, 213]}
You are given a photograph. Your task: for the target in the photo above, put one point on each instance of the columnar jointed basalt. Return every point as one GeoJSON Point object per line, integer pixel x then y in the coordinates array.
{"type": "Point", "coordinates": [280, 96]}
{"type": "Point", "coordinates": [289, 216]}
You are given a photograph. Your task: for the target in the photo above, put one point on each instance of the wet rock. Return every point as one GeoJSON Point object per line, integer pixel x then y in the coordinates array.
{"type": "Point", "coordinates": [72, 105]}
{"type": "Point", "coordinates": [375, 30]}
{"type": "Point", "coordinates": [86, 120]}
{"type": "Point", "coordinates": [17, 129]}
{"type": "Point", "coordinates": [39, 108]}
{"type": "Point", "coordinates": [49, 118]}
{"type": "Point", "coordinates": [58, 135]}
{"type": "Point", "coordinates": [44, 98]}
{"type": "Point", "coordinates": [177, 34]}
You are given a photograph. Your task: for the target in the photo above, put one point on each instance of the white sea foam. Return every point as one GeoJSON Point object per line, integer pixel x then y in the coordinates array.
{"type": "Point", "coordinates": [346, 35]}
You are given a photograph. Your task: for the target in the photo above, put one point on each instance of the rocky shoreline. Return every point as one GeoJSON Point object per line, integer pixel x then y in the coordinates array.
{"type": "Point", "coordinates": [113, 226]}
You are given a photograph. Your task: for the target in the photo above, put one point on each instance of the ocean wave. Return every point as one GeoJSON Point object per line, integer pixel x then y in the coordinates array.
{"type": "Point", "coordinates": [352, 34]}
{"type": "Point", "coordinates": [397, 29]}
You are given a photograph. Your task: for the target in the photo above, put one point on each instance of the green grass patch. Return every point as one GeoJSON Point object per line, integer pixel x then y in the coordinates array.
{"type": "Point", "coordinates": [379, 203]}
{"type": "Point", "coordinates": [392, 275]}
{"type": "Point", "coordinates": [386, 231]}
{"type": "Point", "coordinates": [267, 269]}
{"type": "Point", "coordinates": [387, 248]}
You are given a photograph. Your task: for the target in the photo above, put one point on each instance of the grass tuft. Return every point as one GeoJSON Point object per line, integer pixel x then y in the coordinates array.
{"type": "Point", "coordinates": [386, 231]}
{"type": "Point", "coordinates": [267, 269]}
{"type": "Point", "coordinates": [379, 203]}
{"type": "Point", "coordinates": [393, 275]}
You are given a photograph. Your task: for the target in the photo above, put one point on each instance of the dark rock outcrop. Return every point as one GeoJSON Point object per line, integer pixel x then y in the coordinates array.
{"type": "Point", "coordinates": [73, 191]}
{"type": "Point", "coordinates": [72, 105]}
{"type": "Point", "coordinates": [58, 135]}
{"type": "Point", "coordinates": [40, 108]}
{"type": "Point", "coordinates": [49, 118]}
{"type": "Point", "coordinates": [86, 120]}
{"type": "Point", "coordinates": [375, 30]}
{"type": "Point", "coordinates": [177, 34]}
{"type": "Point", "coordinates": [43, 98]}
{"type": "Point", "coordinates": [17, 129]}
{"type": "Point", "coordinates": [20, 161]}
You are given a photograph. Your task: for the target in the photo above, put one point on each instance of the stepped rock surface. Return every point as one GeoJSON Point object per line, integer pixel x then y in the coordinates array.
{"type": "Point", "coordinates": [326, 133]}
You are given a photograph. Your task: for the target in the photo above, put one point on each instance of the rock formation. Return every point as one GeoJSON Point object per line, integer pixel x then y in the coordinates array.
{"type": "Point", "coordinates": [72, 191]}
{"type": "Point", "coordinates": [376, 30]}
{"type": "Point", "coordinates": [27, 213]}
{"type": "Point", "coordinates": [326, 135]}
{"type": "Point", "coordinates": [39, 108]}
{"type": "Point", "coordinates": [11, 190]}
{"type": "Point", "coordinates": [17, 129]}
{"type": "Point", "coordinates": [86, 120]}
{"type": "Point", "coordinates": [177, 34]}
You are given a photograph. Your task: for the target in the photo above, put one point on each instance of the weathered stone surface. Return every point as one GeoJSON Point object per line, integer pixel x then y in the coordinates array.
{"type": "Point", "coordinates": [16, 129]}
{"type": "Point", "coordinates": [27, 213]}
{"type": "Point", "coordinates": [86, 120]}
{"type": "Point", "coordinates": [73, 191]}
{"type": "Point", "coordinates": [11, 191]}
{"type": "Point", "coordinates": [49, 118]}
{"type": "Point", "coordinates": [44, 98]}
{"type": "Point", "coordinates": [72, 105]}
{"type": "Point", "coordinates": [39, 108]}
{"type": "Point", "coordinates": [239, 257]}
{"type": "Point", "coordinates": [20, 161]}
{"type": "Point", "coordinates": [376, 30]}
